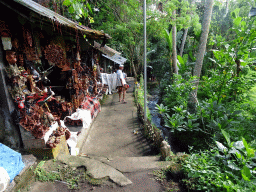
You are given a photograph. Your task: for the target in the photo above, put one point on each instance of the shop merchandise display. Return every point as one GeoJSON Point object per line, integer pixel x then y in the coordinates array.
{"type": "Point", "coordinates": [31, 58]}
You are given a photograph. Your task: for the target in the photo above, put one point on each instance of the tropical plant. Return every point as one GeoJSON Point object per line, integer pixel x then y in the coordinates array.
{"type": "Point", "coordinates": [223, 168]}
{"type": "Point", "coordinates": [161, 109]}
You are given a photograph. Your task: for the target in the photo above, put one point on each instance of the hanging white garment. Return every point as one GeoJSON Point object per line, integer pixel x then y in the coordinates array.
{"type": "Point", "coordinates": [104, 78]}
{"type": "Point", "coordinates": [109, 81]}
{"type": "Point", "coordinates": [114, 82]}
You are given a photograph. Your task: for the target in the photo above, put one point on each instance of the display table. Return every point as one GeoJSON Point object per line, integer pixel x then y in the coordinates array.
{"type": "Point", "coordinates": [61, 148]}
{"type": "Point", "coordinates": [38, 146]}
{"type": "Point", "coordinates": [30, 142]}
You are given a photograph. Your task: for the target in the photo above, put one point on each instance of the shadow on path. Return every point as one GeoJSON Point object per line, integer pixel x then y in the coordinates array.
{"type": "Point", "coordinates": [112, 132]}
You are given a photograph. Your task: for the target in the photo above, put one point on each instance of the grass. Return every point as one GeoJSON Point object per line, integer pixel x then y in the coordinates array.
{"type": "Point", "coordinates": [54, 170]}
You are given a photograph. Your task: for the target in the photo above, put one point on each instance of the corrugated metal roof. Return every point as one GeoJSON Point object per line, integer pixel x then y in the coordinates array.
{"type": "Point", "coordinates": [116, 58]}
{"type": "Point", "coordinates": [43, 11]}
{"type": "Point", "coordinates": [106, 49]}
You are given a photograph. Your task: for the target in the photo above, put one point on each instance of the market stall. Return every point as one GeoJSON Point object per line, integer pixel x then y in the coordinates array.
{"type": "Point", "coordinates": [52, 72]}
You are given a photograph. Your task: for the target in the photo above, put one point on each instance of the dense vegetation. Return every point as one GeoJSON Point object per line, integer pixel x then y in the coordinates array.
{"type": "Point", "coordinates": [221, 131]}
{"type": "Point", "coordinates": [209, 102]}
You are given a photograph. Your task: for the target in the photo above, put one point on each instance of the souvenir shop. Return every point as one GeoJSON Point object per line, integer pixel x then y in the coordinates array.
{"type": "Point", "coordinates": [52, 72]}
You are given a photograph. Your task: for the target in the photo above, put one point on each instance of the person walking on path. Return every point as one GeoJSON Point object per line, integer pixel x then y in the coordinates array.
{"type": "Point", "coordinates": [121, 83]}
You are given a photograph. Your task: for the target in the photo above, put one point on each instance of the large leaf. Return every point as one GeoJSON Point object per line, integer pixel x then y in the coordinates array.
{"type": "Point", "coordinates": [250, 151]}
{"type": "Point", "coordinates": [168, 38]}
{"type": "Point", "coordinates": [227, 137]}
{"type": "Point", "coordinates": [245, 143]}
{"type": "Point", "coordinates": [233, 166]}
{"type": "Point", "coordinates": [89, 7]}
{"type": "Point", "coordinates": [221, 147]}
{"type": "Point", "coordinates": [235, 13]}
{"type": "Point", "coordinates": [192, 57]}
{"type": "Point", "coordinates": [71, 9]}
{"type": "Point", "coordinates": [237, 21]}
{"type": "Point", "coordinates": [233, 151]}
{"type": "Point", "coordinates": [212, 60]}
{"type": "Point", "coordinates": [216, 54]}
{"type": "Point", "coordinates": [180, 60]}
{"type": "Point", "coordinates": [185, 58]}
{"type": "Point", "coordinates": [246, 174]}
{"type": "Point", "coordinates": [238, 145]}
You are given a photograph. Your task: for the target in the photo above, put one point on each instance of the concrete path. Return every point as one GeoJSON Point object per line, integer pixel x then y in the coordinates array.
{"type": "Point", "coordinates": [112, 132]}
{"type": "Point", "coordinates": [112, 141]}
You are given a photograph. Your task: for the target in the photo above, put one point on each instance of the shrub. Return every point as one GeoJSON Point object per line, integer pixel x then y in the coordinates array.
{"type": "Point", "coordinates": [231, 168]}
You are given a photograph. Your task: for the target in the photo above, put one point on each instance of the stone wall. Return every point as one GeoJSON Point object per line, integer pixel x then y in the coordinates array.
{"type": "Point", "coordinates": [9, 132]}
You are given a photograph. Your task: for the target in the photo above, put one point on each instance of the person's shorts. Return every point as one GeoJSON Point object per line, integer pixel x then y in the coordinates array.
{"type": "Point", "coordinates": [122, 88]}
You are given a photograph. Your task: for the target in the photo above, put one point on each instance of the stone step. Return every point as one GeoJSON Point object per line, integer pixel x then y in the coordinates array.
{"type": "Point", "coordinates": [133, 164]}
{"type": "Point", "coordinates": [96, 169]}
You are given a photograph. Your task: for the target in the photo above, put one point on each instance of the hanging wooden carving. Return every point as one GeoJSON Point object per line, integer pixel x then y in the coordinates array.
{"type": "Point", "coordinates": [4, 29]}
{"type": "Point", "coordinates": [31, 53]}
{"type": "Point", "coordinates": [29, 49]}
{"type": "Point", "coordinates": [55, 55]}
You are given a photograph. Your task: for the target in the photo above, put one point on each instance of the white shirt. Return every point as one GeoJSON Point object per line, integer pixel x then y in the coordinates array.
{"type": "Point", "coordinates": [120, 77]}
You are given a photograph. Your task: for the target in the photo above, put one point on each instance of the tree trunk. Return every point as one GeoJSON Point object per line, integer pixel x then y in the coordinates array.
{"type": "Point", "coordinates": [200, 54]}
{"type": "Point", "coordinates": [185, 33]}
{"type": "Point", "coordinates": [134, 70]}
{"type": "Point", "coordinates": [171, 65]}
{"type": "Point", "coordinates": [183, 41]}
{"type": "Point", "coordinates": [227, 8]}
{"type": "Point", "coordinates": [174, 47]}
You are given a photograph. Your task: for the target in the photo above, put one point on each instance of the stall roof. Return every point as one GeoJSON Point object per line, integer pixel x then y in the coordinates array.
{"type": "Point", "coordinates": [106, 49]}
{"type": "Point", "coordinates": [116, 58]}
{"type": "Point", "coordinates": [51, 15]}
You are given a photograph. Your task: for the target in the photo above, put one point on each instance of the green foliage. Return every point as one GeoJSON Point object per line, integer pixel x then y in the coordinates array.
{"type": "Point", "coordinates": [224, 86]}
{"type": "Point", "coordinates": [161, 109]}
{"type": "Point", "coordinates": [79, 9]}
{"type": "Point", "coordinates": [122, 20]}
{"type": "Point", "coordinates": [140, 95]}
{"type": "Point", "coordinates": [159, 58]}
{"type": "Point", "coordinates": [222, 168]}
{"type": "Point", "coordinates": [196, 25]}
{"type": "Point", "coordinates": [210, 117]}
{"type": "Point", "coordinates": [185, 67]}
{"type": "Point", "coordinates": [168, 38]}
{"type": "Point", "coordinates": [178, 122]}
{"type": "Point", "coordinates": [183, 11]}
{"type": "Point", "coordinates": [55, 170]}
{"type": "Point", "coordinates": [177, 93]}
{"type": "Point", "coordinates": [225, 106]}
